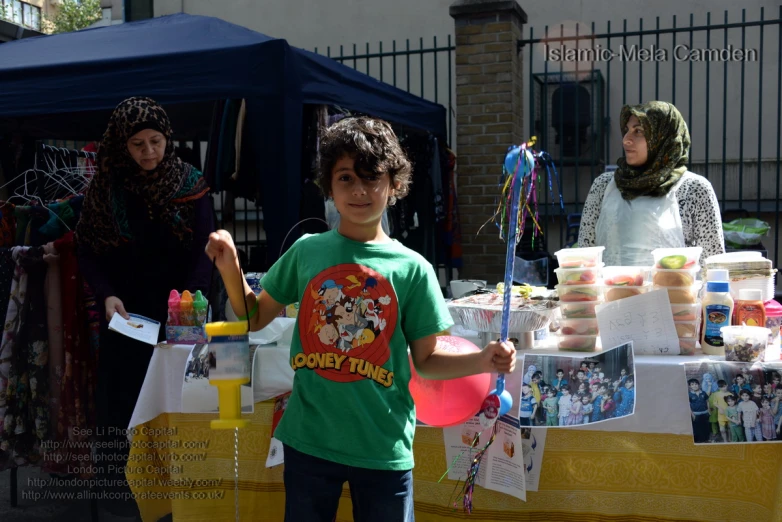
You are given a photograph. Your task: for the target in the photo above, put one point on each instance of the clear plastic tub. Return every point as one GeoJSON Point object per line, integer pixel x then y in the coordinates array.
{"type": "Point", "coordinates": [687, 330]}
{"type": "Point", "coordinates": [579, 293]}
{"type": "Point", "coordinates": [578, 276]}
{"type": "Point", "coordinates": [745, 343]}
{"type": "Point", "coordinates": [686, 312]}
{"type": "Point", "coordinates": [687, 345]}
{"type": "Point", "coordinates": [681, 294]}
{"type": "Point", "coordinates": [578, 327]}
{"type": "Point", "coordinates": [578, 343]}
{"type": "Point", "coordinates": [578, 310]}
{"type": "Point", "coordinates": [676, 258]}
{"type": "Point", "coordinates": [687, 277]}
{"type": "Point", "coordinates": [615, 293]}
{"type": "Point", "coordinates": [625, 275]}
{"type": "Point", "coordinates": [580, 257]}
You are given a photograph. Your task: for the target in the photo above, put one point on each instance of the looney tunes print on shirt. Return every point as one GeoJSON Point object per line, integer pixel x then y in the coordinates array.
{"type": "Point", "coordinates": [346, 319]}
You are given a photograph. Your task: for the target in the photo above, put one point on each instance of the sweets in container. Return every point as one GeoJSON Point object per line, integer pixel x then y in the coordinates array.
{"type": "Point", "coordinates": [578, 310]}
{"type": "Point", "coordinates": [578, 293]}
{"type": "Point", "coordinates": [625, 275]}
{"type": "Point", "coordinates": [578, 343]}
{"type": "Point", "coordinates": [577, 276]}
{"type": "Point", "coordinates": [578, 327]}
{"type": "Point", "coordinates": [685, 312]}
{"type": "Point", "coordinates": [591, 257]}
{"type": "Point", "coordinates": [664, 277]}
{"type": "Point", "coordinates": [676, 258]}
{"type": "Point", "coordinates": [745, 343]}
{"type": "Point", "coordinates": [615, 293]}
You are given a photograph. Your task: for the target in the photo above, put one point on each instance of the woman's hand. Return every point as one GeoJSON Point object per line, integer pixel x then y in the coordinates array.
{"type": "Point", "coordinates": [114, 305]}
{"type": "Point", "coordinates": [221, 249]}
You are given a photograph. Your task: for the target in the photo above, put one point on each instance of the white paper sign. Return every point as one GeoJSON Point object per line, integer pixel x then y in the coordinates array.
{"type": "Point", "coordinates": [136, 327]}
{"type": "Point", "coordinates": [644, 319]}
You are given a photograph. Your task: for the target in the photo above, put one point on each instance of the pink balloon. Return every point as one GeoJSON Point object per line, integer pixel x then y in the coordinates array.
{"type": "Point", "coordinates": [451, 402]}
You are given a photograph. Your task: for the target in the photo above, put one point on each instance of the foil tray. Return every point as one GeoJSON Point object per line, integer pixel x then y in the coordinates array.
{"type": "Point", "coordinates": [484, 314]}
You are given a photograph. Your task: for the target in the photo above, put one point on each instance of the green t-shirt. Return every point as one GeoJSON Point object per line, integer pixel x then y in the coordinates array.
{"type": "Point", "coordinates": [360, 306]}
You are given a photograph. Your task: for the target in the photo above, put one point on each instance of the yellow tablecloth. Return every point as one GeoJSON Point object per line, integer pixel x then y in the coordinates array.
{"type": "Point", "coordinates": [586, 475]}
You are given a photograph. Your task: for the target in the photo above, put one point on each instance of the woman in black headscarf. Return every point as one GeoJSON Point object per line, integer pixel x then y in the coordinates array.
{"type": "Point", "coordinates": [651, 201]}
{"type": "Point", "coordinates": [146, 218]}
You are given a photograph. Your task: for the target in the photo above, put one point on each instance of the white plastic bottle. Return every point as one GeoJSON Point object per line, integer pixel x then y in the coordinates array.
{"type": "Point", "coordinates": [717, 312]}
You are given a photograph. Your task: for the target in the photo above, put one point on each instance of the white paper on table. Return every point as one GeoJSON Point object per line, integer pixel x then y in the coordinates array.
{"type": "Point", "coordinates": [198, 396]}
{"type": "Point", "coordinates": [279, 330]}
{"type": "Point", "coordinates": [136, 327]}
{"type": "Point", "coordinates": [532, 450]}
{"type": "Point", "coordinates": [502, 467]}
{"type": "Point", "coordinates": [645, 320]}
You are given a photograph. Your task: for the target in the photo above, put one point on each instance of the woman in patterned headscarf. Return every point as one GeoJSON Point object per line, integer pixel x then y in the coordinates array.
{"type": "Point", "coordinates": [651, 200]}
{"type": "Point", "coordinates": [146, 218]}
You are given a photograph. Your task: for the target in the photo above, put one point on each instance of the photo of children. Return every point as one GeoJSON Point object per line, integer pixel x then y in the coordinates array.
{"type": "Point", "coordinates": [734, 403]}
{"type": "Point", "coordinates": [562, 390]}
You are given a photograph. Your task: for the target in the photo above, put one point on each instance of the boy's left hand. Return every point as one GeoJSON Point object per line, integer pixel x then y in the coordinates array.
{"type": "Point", "coordinates": [498, 357]}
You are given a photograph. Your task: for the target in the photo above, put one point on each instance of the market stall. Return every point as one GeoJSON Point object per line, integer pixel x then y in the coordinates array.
{"type": "Point", "coordinates": [186, 63]}
{"type": "Point", "coordinates": [643, 467]}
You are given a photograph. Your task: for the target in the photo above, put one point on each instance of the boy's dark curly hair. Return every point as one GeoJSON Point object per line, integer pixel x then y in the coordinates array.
{"type": "Point", "coordinates": [374, 147]}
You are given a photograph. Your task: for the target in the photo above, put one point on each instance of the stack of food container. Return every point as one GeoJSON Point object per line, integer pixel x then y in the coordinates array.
{"type": "Point", "coordinates": [676, 270]}
{"type": "Point", "coordinates": [625, 281]}
{"type": "Point", "coordinates": [580, 290]}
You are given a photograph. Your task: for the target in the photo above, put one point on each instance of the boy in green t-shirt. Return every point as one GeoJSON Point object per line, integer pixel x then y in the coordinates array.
{"type": "Point", "coordinates": [363, 299]}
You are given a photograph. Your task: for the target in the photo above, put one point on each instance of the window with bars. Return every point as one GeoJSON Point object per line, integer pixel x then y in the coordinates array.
{"type": "Point", "coordinates": [21, 13]}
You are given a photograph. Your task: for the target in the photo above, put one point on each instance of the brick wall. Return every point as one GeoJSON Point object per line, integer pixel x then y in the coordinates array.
{"type": "Point", "coordinates": [489, 119]}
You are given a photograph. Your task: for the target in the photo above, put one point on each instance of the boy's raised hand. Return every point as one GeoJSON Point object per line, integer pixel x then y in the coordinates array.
{"type": "Point", "coordinates": [221, 249]}
{"type": "Point", "coordinates": [498, 357]}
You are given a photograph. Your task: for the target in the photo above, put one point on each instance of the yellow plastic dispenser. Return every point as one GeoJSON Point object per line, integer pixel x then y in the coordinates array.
{"type": "Point", "coordinates": [229, 369]}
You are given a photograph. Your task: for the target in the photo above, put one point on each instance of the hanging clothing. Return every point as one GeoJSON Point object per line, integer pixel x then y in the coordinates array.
{"type": "Point", "coordinates": [25, 340]}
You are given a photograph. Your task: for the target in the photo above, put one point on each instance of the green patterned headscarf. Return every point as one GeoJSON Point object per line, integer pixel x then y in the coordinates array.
{"type": "Point", "coordinates": [668, 144]}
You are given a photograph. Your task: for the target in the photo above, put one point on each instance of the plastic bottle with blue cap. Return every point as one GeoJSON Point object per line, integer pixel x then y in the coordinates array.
{"type": "Point", "coordinates": [717, 311]}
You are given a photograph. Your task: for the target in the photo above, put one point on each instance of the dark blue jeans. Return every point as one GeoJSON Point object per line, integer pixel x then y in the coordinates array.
{"type": "Point", "coordinates": [313, 487]}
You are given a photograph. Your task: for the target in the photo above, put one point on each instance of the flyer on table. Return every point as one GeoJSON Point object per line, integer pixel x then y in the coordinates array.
{"type": "Point", "coordinates": [502, 468]}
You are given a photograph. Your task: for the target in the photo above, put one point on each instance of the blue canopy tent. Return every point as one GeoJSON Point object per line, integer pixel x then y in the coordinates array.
{"type": "Point", "coordinates": [65, 86]}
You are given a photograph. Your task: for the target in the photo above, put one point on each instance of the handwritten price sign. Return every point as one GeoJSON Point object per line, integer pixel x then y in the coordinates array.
{"type": "Point", "coordinates": [645, 319]}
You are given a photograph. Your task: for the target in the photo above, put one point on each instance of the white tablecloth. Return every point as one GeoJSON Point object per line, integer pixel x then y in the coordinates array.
{"type": "Point", "coordinates": [661, 391]}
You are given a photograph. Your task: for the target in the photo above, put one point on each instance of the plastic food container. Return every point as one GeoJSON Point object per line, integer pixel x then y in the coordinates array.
{"type": "Point", "coordinates": [745, 343]}
{"type": "Point", "coordinates": [773, 323]}
{"type": "Point", "coordinates": [662, 277]}
{"type": "Point", "coordinates": [580, 257]}
{"type": "Point", "coordinates": [578, 310]}
{"type": "Point", "coordinates": [687, 346]}
{"type": "Point", "coordinates": [681, 294]}
{"type": "Point", "coordinates": [577, 276]}
{"type": "Point", "coordinates": [676, 258]}
{"type": "Point", "coordinates": [578, 343]}
{"type": "Point", "coordinates": [687, 329]}
{"type": "Point", "coordinates": [686, 312]}
{"type": "Point", "coordinates": [579, 293]}
{"type": "Point", "coordinates": [615, 293]}
{"type": "Point", "coordinates": [578, 327]}
{"type": "Point", "coordinates": [625, 275]}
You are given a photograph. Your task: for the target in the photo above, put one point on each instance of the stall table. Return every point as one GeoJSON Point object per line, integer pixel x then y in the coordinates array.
{"type": "Point", "coordinates": [643, 467]}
